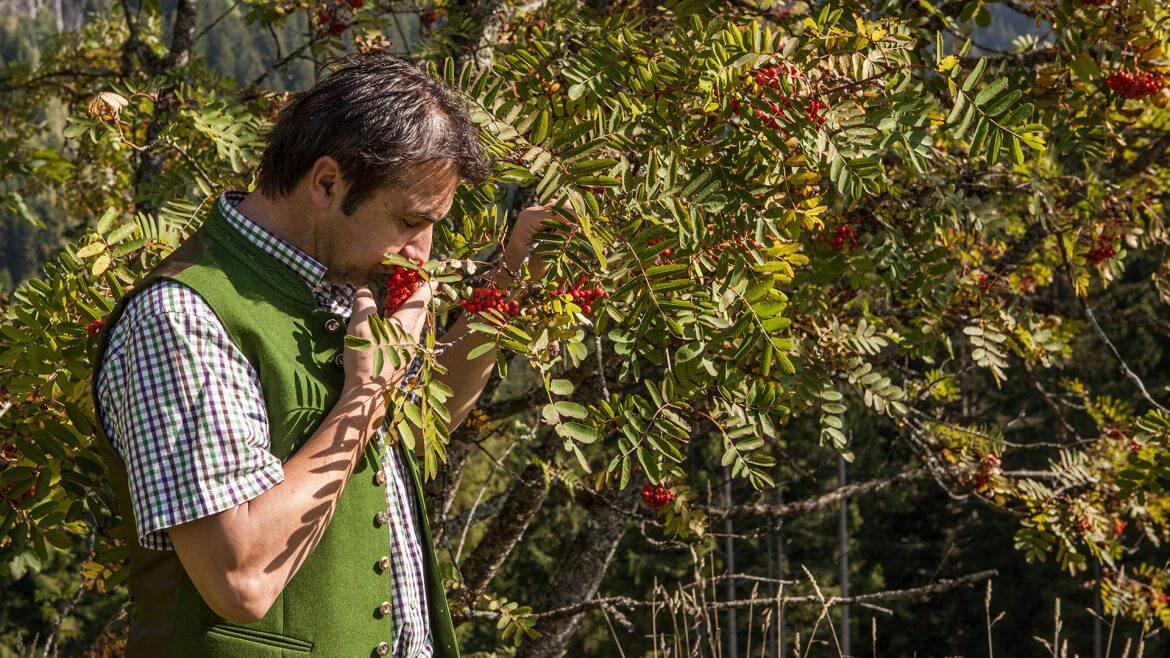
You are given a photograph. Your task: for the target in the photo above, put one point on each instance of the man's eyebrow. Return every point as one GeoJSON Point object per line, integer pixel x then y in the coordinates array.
{"type": "Point", "coordinates": [427, 216]}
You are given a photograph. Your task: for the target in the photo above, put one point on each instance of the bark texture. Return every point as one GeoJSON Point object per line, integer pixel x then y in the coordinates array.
{"type": "Point", "coordinates": [151, 162]}
{"type": "Point", "coordinates": [582, 571]}
{"type": "Point", "coordinates": [507, 527]}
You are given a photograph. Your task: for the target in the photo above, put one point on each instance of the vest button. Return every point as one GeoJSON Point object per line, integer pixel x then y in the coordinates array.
{"type": "Point", "coordinates": [385, 609]}
{"type": "Point", "coordinates": [382, 649]}
{"type": "Point", "coordinates": [381, 519]}
{"type": "Point", "coordinates": [339, 359]}
{"type": "Point", "coordinates": [384, 563]}
{"type": "Point", "coordinates": [380, 476]}
{"type": "Point", "coordinates": [332, 325]}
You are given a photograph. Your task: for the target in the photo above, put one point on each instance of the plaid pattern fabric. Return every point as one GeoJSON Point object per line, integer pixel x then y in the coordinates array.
{"type": "Point", "coordinates": [194, 435]}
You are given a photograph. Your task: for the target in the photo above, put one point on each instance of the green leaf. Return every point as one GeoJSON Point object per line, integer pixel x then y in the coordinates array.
{"type": "Point", "coordinates": [480, 350]}
{"type": "Point", "coordinates": [1085, 68]}
{"type": "Point", "coordinates": [990, 91]}
{"type": "Point", "coordinates": [107, 219]}
{"type": "Point", "coordinates": [100, 265]}
{"type": "Point", "coordinates": [540, 128]}
{"type": "Point", "coordinates": [1003, 103]}
{"type": "Point", "coordinates": [973, 77]}
{"type": "Point", "coordinates": [92, 249]}
{"type": "Point", "coordinates": [570, 409]}
{"type": "Point", "coordinates": [356, 342]}
{"type": "Point", "coordinates": [561, 387]}
{"type": "Point", "coordinates": [578, 431]}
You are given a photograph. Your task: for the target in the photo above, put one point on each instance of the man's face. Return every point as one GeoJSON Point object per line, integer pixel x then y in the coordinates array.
{"type": "Point", "coordinates": [392, 220]}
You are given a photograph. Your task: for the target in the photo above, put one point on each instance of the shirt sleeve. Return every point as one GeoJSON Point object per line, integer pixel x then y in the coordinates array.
{"type": "Point", "coordinates": [185, 411]}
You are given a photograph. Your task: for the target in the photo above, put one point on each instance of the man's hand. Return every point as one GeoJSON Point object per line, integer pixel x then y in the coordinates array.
{"type": "Point", "coordinates": [528, 222]}
{"type": "Point", "coordinates": [411, 316]}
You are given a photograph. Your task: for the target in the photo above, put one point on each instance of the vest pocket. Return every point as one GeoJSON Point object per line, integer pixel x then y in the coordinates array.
{"type": "Point", "coordinates": [260, 637]}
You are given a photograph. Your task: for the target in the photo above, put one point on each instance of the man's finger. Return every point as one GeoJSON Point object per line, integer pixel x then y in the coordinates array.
{"type": "Point", "coordinates": [363, 306]}
{"type": "Point", "coordinates": [412, 315]}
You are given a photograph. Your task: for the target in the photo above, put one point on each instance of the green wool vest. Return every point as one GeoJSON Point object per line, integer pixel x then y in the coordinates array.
{"type": "Point", "coordinates": [331, 606]}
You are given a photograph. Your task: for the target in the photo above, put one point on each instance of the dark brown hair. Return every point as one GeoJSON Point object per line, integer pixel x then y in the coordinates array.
{"type": "Point", "coordinates": [378, 115]}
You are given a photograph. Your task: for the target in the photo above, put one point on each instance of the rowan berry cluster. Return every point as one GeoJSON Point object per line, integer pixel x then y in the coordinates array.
{"type": "Point", "coordinates": [489, 297]}
{"type": "Point", "coordinates": [665, 253]}
{"type": "Point", "coordinates": [32, 491]}
{"type": "Point", "coordinates": [1134, 84]}
{"type": "Point", "coordinates": [843, 238]}
{"type": "Point", "coordinates": [813, 110]}
{"type": "Point", "coordinates": [335, 19]}
{"type": "Point", "coordinates": [739, 240]}
{"type": "Point", "coordinates": [657, 496]}
{"type": "Point", "coordinates": [769, 76]}
{"type": "Point", "coordinates": [988, 466]}
{"type": "Point", "coordinates": [1102, 247]}
{"type": "Point", "coordinates": [1027, 280]}
{"type": "Point", "coordinates": [401, 284]}
{"type": "Point", "coordinates": [583, 296]}
{"type": "Point", "coordinates": [95, 326]}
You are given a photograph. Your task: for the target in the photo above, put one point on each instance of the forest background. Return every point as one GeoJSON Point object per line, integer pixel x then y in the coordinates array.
{"type": "Point", "coordinates": [913, 397]}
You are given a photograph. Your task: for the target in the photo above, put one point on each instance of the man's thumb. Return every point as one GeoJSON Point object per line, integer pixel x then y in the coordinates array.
{"type": "Point", "coordinates": [363, 306]}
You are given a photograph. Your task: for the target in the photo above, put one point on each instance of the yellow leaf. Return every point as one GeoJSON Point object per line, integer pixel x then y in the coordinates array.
{"type": "Point", "coordinates": [948, 63]}
{"type": "Point", "coordinates": [92, 249]}
{"type": "Point", "coordinates": [100, 265]}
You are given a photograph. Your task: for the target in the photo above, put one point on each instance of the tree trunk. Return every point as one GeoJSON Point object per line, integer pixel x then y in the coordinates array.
{"type": "Point", "coordinates": [584, 567]}
{"type": "Point", "coordinates": [524, 500]}
{"type": "Point", "coordinates": [150, 163]}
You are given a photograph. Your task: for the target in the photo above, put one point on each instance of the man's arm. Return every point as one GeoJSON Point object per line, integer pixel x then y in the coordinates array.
{"type": "Point", "coordinates": [242, 558]}
{"type": "Point", "coordinates": [466, 379]}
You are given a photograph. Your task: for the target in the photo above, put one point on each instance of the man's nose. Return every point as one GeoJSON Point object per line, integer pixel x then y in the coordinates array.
{"type": "Point", "coordinates": [420, 247]}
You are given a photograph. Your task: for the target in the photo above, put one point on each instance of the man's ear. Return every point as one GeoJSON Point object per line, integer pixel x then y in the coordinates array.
{"type": "Point", "coordinates": [326, 187]}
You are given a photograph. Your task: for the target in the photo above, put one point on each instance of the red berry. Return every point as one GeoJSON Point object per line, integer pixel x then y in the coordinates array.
{"type": "Point", "coordinates": [844, 238]}
{"type": "Point", "coordinates": [489, 297]}
{"type": "Point", "coordinates": [1100, 252]}
{"type": "Point", "coordinates": [582, 296]}
{"type": "Point", "coordinates": [657, 496]}
{"type": "Point", "coordinates": [95, 326]}
{"type": "Point", "coordinates": [1134, 84]}
{"type": "Point", "coordinates": [401, 284]}
{"type": "Point", "coordinates": [813, 110]}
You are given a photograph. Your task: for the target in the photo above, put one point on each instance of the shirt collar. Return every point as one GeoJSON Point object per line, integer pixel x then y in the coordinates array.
{"type": "Point", "coordinates": [285, 252]}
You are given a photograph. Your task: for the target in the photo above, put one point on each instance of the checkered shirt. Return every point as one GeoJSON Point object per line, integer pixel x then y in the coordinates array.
{"type": "Point", "coordinates": [185, 411]}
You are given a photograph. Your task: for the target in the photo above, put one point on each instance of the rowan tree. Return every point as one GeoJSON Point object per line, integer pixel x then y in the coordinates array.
{"type": "Point", "coordinates": [785, 225]}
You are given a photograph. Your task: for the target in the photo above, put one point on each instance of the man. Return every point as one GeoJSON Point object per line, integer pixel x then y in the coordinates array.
{"type": "Point", "coordinates": [273, 513]}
